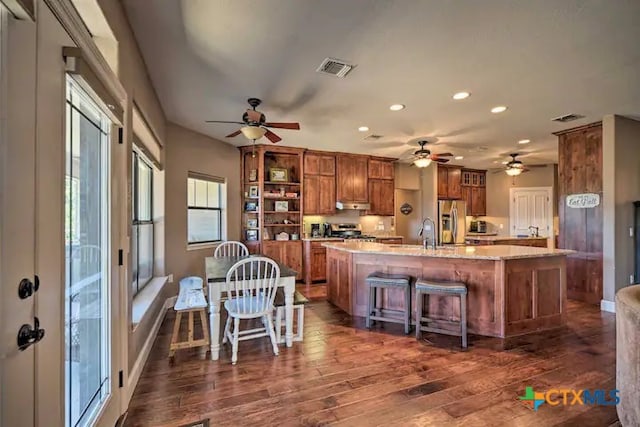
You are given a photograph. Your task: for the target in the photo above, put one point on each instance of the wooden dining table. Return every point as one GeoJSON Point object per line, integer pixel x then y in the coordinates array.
{"type": "Point", "coordinates": [216, 270]}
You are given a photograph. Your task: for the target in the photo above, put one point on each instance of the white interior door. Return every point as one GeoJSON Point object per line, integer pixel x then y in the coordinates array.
{"type": "Point", "coordinates": [531, 207]}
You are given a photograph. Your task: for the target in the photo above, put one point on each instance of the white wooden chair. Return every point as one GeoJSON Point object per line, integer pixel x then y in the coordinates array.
{"type": "Point", "coordinates": [231, 249]}
{"type": "Point", "coordinates": [251, 290]}
{"type": "Point", "coordinates": [190, 300]}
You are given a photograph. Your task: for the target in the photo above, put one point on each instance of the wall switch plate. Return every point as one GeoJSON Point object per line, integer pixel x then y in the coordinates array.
{"type": "Point", "coordinates": [631, 279]}
{"type": "Point", "coordinates": [171, 278]}
{"type": "Point", "coordinates": [501, 226]}
{"type": "Point", "coordinates": [630, 231]}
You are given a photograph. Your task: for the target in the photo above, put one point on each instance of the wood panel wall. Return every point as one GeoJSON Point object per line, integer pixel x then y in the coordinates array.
{"type": "Point", "coordinates": [580, 171]}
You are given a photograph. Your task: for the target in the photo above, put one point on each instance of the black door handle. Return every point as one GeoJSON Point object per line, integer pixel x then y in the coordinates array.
{"type": "Point", "coordinates": [26, 287]}
{"type": "Point", "coordinates": [28, 335]}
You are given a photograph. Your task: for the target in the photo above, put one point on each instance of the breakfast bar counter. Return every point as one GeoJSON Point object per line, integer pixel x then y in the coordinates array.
{"type": "Point", "coordinates": [512, 290]}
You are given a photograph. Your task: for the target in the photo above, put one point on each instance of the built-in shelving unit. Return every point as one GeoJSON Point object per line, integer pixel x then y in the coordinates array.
{"type": "Point", "coordinates": [272, 209]}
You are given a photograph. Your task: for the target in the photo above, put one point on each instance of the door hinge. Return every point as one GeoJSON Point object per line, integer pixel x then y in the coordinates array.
{"type": "Point", "coordinates": [120, 379]}
{"type": "Point", "coordinates": [120, 257]}
{"type": "Point", "coordinates": [120, 136]}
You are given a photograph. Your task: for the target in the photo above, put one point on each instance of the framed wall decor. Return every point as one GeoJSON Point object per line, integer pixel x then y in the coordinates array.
{"type": "Point", "coordinates": [252, 235]}
{"type": "Point", "coordinates": [253, 192]}
{"type": "Point", "coordinates": [278, 175]}
{"type": "Point", "coordinates": [250, 206]}
{"type": "Point", "coordinates": [281, 206]}
{"type": "Point", "coordinates": [252, 223]}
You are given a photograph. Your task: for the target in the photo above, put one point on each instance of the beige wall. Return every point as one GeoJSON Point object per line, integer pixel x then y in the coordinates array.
{"type": "Point", "coordinates": [621, 187]}
{"type": "Point", "coordinates": [498, 185]}
{"type": "Point", "coordinates": [188, 151]}
{"type": "Point", "coordinates": [407, 226]}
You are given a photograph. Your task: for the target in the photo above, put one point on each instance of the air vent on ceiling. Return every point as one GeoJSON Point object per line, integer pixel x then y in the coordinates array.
{"type": "Point", "coordinates": [373, 137]}
{"type": "Point", "coordinates": [335, 67]}
{"type": "Point", "coordinates": [567, 118]}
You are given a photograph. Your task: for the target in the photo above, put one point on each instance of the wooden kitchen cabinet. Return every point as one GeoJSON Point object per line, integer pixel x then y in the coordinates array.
{"type": "Point", "coordinates": [319, 164]}
{"type": "Point", "coordinates": [319, 184]}
{"type": "Point", "coordinates": [381, 169]}
{"type": "Point", "coordinates": [390, 240]}
{"type": "Point", "coordinates": [474, 191]}
{"type": "Point", "coordinates": [288, 252]}
{"type": "Point", "coordinates": [352, 178]}
{"type": "Point", "coordinates": [381, 197]}
{"type": "Point", "coordinates": [315, 260]}
{"type": "Point", "coordinates": [449, 182]}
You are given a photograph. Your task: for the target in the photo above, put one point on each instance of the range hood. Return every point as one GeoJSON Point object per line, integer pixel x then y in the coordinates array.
{"type": "Point", "coordinates": [353, 206]}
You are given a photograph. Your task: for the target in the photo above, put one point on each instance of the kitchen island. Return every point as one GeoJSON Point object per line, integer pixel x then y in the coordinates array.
{"type": "Point", "coordinates": [512, 290]}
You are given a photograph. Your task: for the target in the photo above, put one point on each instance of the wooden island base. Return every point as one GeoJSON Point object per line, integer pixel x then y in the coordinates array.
{"type": "Point", "coordinates": [506, 297]}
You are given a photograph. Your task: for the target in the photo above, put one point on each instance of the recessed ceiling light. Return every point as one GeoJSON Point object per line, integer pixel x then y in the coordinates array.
{"type": "Point", "coordinates": [524, 141]}
{"type": "Point", "coordinates": [363, 128]}
{"type": "Point", "coordinates": [396, 107]}
{"type": "Point", "coordinates": [458, 157]}
{"type": "Point", "coordinates": [461, 95]}
{"type": "Point", "coordinates": [499, 109]}
{"type": "Point", "coordinates": [505, 162]}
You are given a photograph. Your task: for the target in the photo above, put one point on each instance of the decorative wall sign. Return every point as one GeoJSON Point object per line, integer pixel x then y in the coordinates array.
{"type": "Point", "coordinates": [406, 208]}
{"type": "Point", "coordinates": [581, 201]}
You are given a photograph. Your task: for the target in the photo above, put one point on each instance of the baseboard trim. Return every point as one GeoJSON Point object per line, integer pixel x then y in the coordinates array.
{"type": "Point", "coordinates": [135, 373]}
{"type": "Point", "coordinates": [609, 306]}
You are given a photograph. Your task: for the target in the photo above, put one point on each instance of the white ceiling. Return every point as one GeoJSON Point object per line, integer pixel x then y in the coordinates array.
{"type": "Point", "coordinates": [541, 58]}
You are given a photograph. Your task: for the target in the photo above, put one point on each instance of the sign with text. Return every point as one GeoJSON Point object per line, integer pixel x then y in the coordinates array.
{"type": "Point", "coordinates": [581, 201]}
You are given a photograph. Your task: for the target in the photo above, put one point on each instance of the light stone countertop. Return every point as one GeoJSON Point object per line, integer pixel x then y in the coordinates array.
{"type": "Point", "coordinates": [490, 252]}
{"type": "Point", "coordinates": [494, 238]}
{"type": "Point", "coordinates": [323, 239]}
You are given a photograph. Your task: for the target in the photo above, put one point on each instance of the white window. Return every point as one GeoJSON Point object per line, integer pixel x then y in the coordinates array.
{"type": "Point", "coordinates": [142, 224]}
{"type": "Point", "coordinates": [205, 209]}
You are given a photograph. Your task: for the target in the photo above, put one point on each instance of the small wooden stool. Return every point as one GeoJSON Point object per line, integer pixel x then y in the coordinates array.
{"type": "Point", "coordinates": [377, 280]}
{"type": "Point", "coordinates": [190, 300]}
{"type": "Point", "coordinates": [299, 301]}
{"type": "Point", "coordinates": [426, 287]}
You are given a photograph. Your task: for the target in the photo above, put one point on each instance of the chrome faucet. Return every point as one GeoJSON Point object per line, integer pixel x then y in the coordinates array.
{"type": "Point", "coordinates": [425, 240]}
{"type": "Point", "coordinates": [535, 231]}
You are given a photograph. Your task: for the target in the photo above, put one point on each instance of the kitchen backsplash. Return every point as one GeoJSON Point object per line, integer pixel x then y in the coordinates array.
{"type": "Point", "coordinates": [371, 224]}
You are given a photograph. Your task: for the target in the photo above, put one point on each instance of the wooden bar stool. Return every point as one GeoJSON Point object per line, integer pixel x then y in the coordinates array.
{"type": "Point", "coordinates": [190, 300]}
{"type": "Point", "coordinates": [299, 301]}
{"type": "Point", "coordinates": [382, 281]}
{"type": "Point", "coordinates": [426, 287]}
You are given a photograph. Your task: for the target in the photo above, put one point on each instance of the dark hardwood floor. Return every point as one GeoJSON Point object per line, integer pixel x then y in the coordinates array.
{"type": "Point", "coordinates": [345, 375]}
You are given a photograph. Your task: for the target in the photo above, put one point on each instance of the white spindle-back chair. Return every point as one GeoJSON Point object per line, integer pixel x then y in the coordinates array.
{"type": "Point", "coordinates": [251, 290]}
{"type": "Point", "coordinates": [231, 249]}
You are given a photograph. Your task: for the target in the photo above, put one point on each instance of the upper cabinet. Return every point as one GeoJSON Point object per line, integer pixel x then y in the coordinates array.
{"type": "Point", "coordinates": [381, 169]}
{"type": "Point", "coordinates": [381, 187]}
{"type": "Point", "coordinates": [352, 178]}
{"type": "Point", "coordinates": [449, 182]}
{"type": "Point", "coordinates": [319, 184]}
{"type": "Point", "coordinates": [474, 191]}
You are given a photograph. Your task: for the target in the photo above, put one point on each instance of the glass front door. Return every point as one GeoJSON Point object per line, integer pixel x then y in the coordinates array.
{"type": "Point", "coordinates": [87, 296]}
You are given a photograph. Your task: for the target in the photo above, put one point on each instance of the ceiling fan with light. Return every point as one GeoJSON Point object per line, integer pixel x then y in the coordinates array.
{"type": "Point", "coordinates": [255, 124]}
{"type": "Point", "coordinates": [515, 167]}
{"type": "Point", "coordinates": [423, 157]}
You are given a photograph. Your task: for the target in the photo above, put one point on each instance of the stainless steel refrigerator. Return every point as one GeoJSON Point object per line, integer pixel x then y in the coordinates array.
{"type": "Point", "coordinates": [452, 222]}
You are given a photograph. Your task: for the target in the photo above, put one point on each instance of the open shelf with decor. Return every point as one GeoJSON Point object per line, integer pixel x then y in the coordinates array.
{"type": "Point", "coordinates": [272, 197]}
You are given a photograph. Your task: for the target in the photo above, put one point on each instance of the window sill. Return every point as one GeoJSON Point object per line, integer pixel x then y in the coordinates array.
{"type": "Point", "coordinates": [145, 299]}
{"type": "Point", "coordinates": [200, 246]}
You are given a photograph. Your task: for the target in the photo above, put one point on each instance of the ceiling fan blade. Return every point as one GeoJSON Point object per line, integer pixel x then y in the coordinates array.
{"type": "Point", "coordinates": [443, 155]}
{"type": "Point", "coordinates": [254, 116]}
{"type": "Point", "coordinates": [236, 133]}
{"type": "Point", "coordinates": [223, 121]}
{"type": "Point", "coordinates": [272, 136]}
{"type": "Point", "coordinates": [292, 126]}
{"type": "Point", "coordinates": [439, 160]}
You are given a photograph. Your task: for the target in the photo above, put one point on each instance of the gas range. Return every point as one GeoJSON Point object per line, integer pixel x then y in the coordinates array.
{"type": "Point", "coordinates": [349, 232]}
